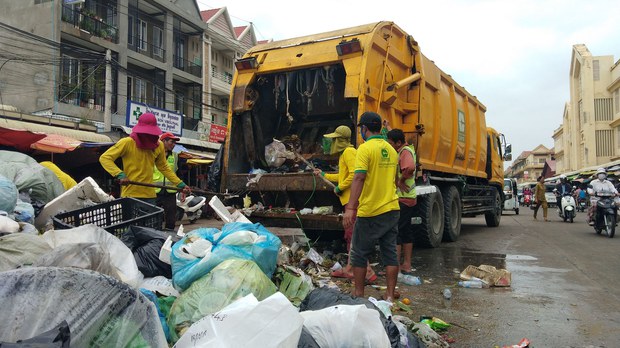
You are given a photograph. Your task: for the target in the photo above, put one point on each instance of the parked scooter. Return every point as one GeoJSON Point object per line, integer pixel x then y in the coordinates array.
{"type": "Point", "coordinates": [567, 209]}
{"type": "Point", "coordinates": [189, 207]}
{"type": "Point", "coordinates": [606, 214]}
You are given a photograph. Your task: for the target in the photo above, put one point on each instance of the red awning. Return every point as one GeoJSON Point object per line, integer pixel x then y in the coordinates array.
{"type": "Point", "coordinates": [19, 139]}
{"type": "Point", "coordinates": [56, 143]}
{"type": "Point", "coordinates": [26, 141]}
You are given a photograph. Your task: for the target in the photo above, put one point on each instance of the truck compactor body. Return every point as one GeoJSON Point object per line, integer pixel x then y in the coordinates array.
{"type": "Point", "coordinates": [287, 94]}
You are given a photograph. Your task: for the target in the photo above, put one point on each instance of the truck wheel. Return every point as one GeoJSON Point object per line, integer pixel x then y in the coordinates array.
{"type": "Point", "coordinates": [451, 214]}
{"type": "Point", "coordinates": [430, 210]}
{"type": "Point", "coordinates": [493, 218]}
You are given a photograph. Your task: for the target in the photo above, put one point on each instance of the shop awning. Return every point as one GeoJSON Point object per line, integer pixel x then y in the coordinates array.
{"type": "Point", "coordinates": [56, 144]}
{"type": "Point", "coordinates": [199, 161]}
{"type": "Point", "coordinates": [84, 136]}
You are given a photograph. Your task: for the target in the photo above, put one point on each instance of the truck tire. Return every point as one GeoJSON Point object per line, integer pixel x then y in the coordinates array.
{"type": "Point", "coordinates": [452, 210]}
{"type": "Point", "coordinates": [430, 210]}
{"type": "Point", "coordinates": [493, 218]}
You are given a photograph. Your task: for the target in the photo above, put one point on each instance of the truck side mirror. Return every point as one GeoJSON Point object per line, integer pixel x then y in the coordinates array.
{"type": "Point", "coordinates": [508, 153]}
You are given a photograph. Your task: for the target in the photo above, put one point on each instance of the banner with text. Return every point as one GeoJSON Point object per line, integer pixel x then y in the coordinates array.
{"type": "Point", "coordinates": [217, 134]}
{"type": "Point", "coordinates": [168, 121]}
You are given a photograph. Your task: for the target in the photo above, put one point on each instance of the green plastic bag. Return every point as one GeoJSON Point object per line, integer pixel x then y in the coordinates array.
{"type": "Point", "coordinates": [435, 323]}
{"type": "Point", "coordinates": [229, 281]}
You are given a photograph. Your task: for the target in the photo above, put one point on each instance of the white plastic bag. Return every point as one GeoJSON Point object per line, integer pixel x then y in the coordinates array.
{"type": "Point", "coordinates": [273, 322]}
{"type": "Point", "coordinates": [120, 255]}
{"type": "Point", "coordinates": [346, 326]}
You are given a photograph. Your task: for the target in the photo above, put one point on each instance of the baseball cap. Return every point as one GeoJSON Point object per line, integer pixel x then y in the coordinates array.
{"type": "Point", "coordinates": [340, 132]}
{"type": "Point", "coordinates": [369, 118]}
{"type": "Point", "coordinates": [169, 135]}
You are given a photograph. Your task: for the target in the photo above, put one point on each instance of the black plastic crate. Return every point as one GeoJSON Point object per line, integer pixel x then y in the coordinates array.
{"type": "Point", "coordinates": [115, 216]}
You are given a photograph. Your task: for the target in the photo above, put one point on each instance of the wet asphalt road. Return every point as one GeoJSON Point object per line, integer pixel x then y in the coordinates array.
{"type": "Point", "coordinates": [564, 292]}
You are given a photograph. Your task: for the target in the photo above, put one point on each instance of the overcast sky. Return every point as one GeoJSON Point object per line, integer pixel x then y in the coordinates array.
{"type": "Point", "coordinates": [513, 55]}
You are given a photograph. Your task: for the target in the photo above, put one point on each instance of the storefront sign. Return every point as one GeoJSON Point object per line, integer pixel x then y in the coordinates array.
{"type": "Point", "coordinates": [217, 133]}
{"type": "Point", "coordinates": [168, 121]}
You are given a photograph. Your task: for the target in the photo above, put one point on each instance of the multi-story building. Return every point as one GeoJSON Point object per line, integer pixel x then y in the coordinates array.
{"type": "Point", "coordinates": [54, 57]}
{"type": "Point", "coordinates": [590, 131]}
{"type": "Point", "coordinates": [529, 165]}
{"type": "Point", "coordinates": [224, 44]}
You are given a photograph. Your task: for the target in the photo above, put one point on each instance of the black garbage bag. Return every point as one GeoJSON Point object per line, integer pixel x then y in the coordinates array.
{"type": "Point", "coordinates": [214, 176]}
{"type": "Point", "coordinates": [58, 337]}
{"type": "Point", "coordinates": [324, 297]}
{"type": "Point", "coordinates": [101, 311]}
{"type": "Point", "coordinates": [306, 340]}
{"type": "Point", "coordinates": [145, 243]}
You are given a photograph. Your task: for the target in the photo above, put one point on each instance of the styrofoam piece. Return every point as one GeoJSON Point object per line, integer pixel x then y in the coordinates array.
{"type": "Point", "coordinates": [224, 214]}
{"type": "Point", "coordinates": [85, 193]}
{"type": "Point", "coordinates": [166, 251]}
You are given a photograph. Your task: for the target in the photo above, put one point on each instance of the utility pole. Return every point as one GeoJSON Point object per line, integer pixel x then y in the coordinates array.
{"type": "Point", "coordinates": [107, 111]}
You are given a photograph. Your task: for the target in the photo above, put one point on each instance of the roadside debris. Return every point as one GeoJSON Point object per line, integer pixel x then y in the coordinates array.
{"type": "Point", "coordinates": [489, 275]}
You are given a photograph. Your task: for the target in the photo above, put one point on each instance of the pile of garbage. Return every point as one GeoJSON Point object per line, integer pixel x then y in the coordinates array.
{"type": "Point", "coordinates": [31, 194]}
{"type": "Point", "coordinates": [238, 286]}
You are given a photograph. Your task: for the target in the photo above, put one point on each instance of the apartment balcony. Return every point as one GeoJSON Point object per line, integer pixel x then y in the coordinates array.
{"type": "Point", "coordinates": [187, 66]}
{"type": "Point", "coordinates": [89, 22]}
{"type": "Point", "coordinates": [221, 82]}
{"type": "Point", "coordinates": [146, 48]}
{"type": "Point", "coordinates": [83, 97]}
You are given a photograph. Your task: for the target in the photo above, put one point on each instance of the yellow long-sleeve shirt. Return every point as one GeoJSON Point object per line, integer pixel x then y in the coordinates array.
{"type": "Point", "coordinates": [346, 171]}
{"type": "Point", "coordinates": [138, 166]}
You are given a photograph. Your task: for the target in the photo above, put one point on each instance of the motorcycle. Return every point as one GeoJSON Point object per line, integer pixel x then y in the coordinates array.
{"type": "Point", "coordinates": [189, 207]}
{"type": "Point", "coordinates": [581, 204]}
{"type": "Point", "coordinates": [605, 215]}
{"type": "Point", "coordinates": [567, 207]}
{"type": "Point", "coordinates": [527, 200]}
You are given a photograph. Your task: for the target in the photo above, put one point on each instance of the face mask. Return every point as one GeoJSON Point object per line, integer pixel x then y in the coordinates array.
{"type": "Point", "coordinates": [602, 176]}
{"type": "Point", "coordinates": [362, 133]}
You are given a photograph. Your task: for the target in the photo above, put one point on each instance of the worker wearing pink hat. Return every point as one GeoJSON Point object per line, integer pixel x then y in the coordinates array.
{"type": "Point", "coordinates": [140, 152]}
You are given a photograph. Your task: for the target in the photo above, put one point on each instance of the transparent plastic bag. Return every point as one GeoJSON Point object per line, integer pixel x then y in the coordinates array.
{"type": "Point", "coordinates": [229, 281]}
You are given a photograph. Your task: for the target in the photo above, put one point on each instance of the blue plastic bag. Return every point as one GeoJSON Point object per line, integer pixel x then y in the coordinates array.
{"type": "Point", "coordinates": [232, 242]}
{"type": "Point", "coordinates": [162, 318]}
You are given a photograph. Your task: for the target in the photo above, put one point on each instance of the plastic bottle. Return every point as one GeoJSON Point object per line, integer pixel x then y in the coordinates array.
{"type": "Point", "coordinates": [447, 294]}
{"type": "Point", "coordinates": [409, 279]}
{"type": "Point", "coordinates": [471, 284]}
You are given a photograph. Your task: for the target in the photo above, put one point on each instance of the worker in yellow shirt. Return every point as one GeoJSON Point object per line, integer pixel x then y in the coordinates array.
{"type": "Point", "coordinates": [373, 194]}
{"type": "Point", "coordinates": [167, 198]}
{"type": "Point", "coordinates": [341, 144]}
{"type": "Point", "coordinates": [66, 180]}
{"type": "Point", "coordinates": [140, 151]}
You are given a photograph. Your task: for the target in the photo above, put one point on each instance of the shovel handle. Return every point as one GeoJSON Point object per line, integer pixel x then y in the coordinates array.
{"type": "Point", "coordinates": [129, 182]}
{"type": "Point", "coordinates": [329, 183]}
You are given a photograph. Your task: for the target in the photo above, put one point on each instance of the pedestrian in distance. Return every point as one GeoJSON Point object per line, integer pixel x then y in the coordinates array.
{"type": "Point", "coordinates": [140, 152]}
{"type": "Point", "coordinates": [167, 198]}
{"type": "Point", "coordinates": [539, 198]}
{"type": "Point", "coordinates": [373, 195]}
{"type": "Point", "coordinates": [405, 189]}
{"type": "Point", "coordinates": [341, 144]}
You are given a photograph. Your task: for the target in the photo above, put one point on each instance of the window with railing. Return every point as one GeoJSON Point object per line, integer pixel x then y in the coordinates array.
{"type": "Point", "coordinates": [94, 18]}
{"type": "Point", "coordinates": [158, 42]}
{"type": "Point", "coordinates": [187, 66]}
{"type": "Point", "coordinates": [144, 90]}
{"type": "Point", "coordinates": [82, 83]}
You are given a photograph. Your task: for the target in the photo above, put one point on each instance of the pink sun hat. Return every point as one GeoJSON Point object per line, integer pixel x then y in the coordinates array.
{"type": "Point", "coordinates": [147, 124]}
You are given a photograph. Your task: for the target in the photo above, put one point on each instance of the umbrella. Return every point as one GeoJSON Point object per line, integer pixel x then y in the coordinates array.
{"type": "Point", "coordinates": [56, 143]}
{"type": "Point", "coordinates": [19, 139]}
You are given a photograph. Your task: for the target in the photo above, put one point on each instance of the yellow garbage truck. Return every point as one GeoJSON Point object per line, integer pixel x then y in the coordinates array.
{"type": "Point", "coordinates": [287, 94]}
